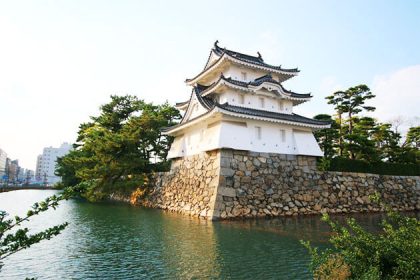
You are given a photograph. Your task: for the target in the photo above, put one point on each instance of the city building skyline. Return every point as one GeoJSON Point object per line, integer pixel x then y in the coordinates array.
{"type": "Point", "coordinates": [11, 172]}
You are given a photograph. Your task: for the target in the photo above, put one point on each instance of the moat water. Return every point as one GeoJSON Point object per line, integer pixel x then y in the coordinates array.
{"type": "Point", "coordinates": [117, 241]}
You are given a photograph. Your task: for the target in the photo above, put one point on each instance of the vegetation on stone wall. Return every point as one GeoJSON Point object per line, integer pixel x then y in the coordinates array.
{"type": "Point", "coordinates": [118, 149]}
{"type": "Point", "coordinates": [358, 137]}
{"type": "Point", "coordinates": [357, 254]}
{"type": "Point", "coordinates": [382, 168]}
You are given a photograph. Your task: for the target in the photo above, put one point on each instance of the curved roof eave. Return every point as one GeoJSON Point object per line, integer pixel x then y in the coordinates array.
{"type": "Point", "coordinates": [259, 115]}
{"type": "Point", "coordinates": [250, 58]}
{"type": "Point", "coordinates": [276, 120]}
{"type": "Point", "coordinates": [268, 68]}
{"type": "Point", "coordinates": [182, 105]}
{"type": "Point", "coordinates": [250, 88]}
{"type": "Point", "coordinates": [206, 70]}
{"type": "Point", "coordinates": [229, 110]}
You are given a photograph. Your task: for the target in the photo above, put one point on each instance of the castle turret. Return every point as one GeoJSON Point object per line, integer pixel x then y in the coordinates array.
{"type": "Point", "coordinates": [238, 102]}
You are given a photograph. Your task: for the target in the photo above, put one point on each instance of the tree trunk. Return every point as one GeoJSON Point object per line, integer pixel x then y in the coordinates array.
{"type": "Point", "coordinates": [351, 133]}
{"type": "Point", "coordinates": [340, 138]}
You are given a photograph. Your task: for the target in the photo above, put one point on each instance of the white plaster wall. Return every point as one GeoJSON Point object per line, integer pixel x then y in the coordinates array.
{"type": "Point", "coordinates": [177, 148]}
{"type": "Point", "coordinates": [252, 100]}
{"type": "Point", "coordinates": [271, 140]}
{"type": "Point", "coordinates": [287, 107]}
{"type": "Point", "coordinates": [195, 109]}
{"type": "Point", "coordinates": [195, 140]}
{"type": "Point", "coordinates": [306, 144]}
{"type": "Point", "coordinates": [235, 135]}
{"type": "Point", "coordinates": [242, 135]}
{"type": "Point", "coordinates": [235, 72]}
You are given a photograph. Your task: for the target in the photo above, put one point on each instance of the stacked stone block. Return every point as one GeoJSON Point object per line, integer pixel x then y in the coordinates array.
{"type": "Point", "coordinates": [241, 184]}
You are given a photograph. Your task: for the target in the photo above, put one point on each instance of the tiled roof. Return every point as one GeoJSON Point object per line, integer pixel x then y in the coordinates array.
{"type": "Point", "coordinates": [206, 102]}
{"type": "Point", "coordinates": [256, 82]}
{"type": "Point", "coordinates": [270, 115]}
{"type": "Point", "coordinates": [210, 104]}
{"type": "Point", "coordinates": [258, 60]}
{"type": "Point", "coordinates": [241, 58]}
{"type": "Point", "coordinates": [181, 103]}
{"type": "Point", "coordinates": [267, 78]}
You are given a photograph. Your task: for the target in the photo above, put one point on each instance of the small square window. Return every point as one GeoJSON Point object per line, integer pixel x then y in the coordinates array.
{"type": "Point", "coordinates": [258, 132]}
{"type": "Point", "coordinates": [241, 99]}
{"type": "Point", "coordinates": [283, 135]}
{"type": "Point", "coordinates": [261, 102]}
{"type": "Point", "coordinates": [281, 106]}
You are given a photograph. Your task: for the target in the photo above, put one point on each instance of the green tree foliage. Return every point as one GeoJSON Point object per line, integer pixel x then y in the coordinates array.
{"type": "Point", "coordinates": [66, 168]}
{"type": "Point", "coordinates": [361, 137]}
{"type": "Point", "coordinates": [350, 102]}
{"type": "Point", "coordinates": [413, 137]}
{"type": "Point", "coordinates": [387, 143]}
{"type": "Point", "coordinates": [411, 146]}
{"type": "Point", "coordinates": [358, 254]}
{"type": "Point", "coordinates": [360, 141]}
{"type": "Point", "coordinates": [337, 99]}
{"type": "Point", "coordinates": [118, 149]}
{"type": "Point", "coordinates": [14, 238]}
{"type": "Point", "coordinates": [327, 138]}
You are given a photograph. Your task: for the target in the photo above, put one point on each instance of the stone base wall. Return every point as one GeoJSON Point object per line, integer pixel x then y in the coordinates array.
{"type": "Point", "coordinates": [234, 184]}
{"type": "Point", "coordinates": [190, 187]}
{"type": "Point", "coordinates": [258, 184]}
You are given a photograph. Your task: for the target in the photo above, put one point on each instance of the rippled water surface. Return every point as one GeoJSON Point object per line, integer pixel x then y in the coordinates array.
{"type": "Point", "coordinates": [116, 241]}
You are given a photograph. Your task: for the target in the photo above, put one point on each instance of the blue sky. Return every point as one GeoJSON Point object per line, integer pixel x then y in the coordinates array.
{"type": "Point", "coordinates": [59, 60]}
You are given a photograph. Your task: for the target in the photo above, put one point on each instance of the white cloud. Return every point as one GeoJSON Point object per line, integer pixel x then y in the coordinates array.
{"type": "Point", "coordinates": [398, 95]}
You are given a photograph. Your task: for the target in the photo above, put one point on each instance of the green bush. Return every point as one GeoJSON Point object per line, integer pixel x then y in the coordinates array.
{"type": "Point", "coordinates": [382, 168]}
{"type": "Point", "coordinates": [358, 254]}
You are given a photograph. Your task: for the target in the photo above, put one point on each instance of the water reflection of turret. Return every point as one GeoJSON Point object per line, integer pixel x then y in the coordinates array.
{"type": "Point", "coordinates": [190, 249]}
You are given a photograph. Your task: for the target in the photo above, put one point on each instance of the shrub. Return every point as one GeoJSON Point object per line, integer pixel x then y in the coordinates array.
{"type": "Point", "coordinates": [382, 168]}
{"type": "Point", "coordinates": [357, 254]}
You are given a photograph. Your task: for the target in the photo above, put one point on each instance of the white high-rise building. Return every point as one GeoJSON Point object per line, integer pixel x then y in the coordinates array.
{"type": "Point", "coordinates": [3, 160]}
{"type": "Point", "coordinates": [47, 162]}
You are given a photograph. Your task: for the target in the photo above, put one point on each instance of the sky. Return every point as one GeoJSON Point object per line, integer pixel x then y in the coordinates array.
{"type": "Point", "coordinates": [60, 60]}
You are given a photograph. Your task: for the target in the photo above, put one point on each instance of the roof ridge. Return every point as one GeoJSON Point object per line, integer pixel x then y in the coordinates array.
{"type": "Point", "coordinates": [246, 59]}
{"type": "Point", "coordinates": [258, 57]}
{"type": "Point", "coordinates": [250, 58]}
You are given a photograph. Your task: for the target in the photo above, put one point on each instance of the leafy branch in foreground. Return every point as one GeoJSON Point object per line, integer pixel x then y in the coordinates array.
{"type": "Point", "coordinates": [358, 254]}
{"type": "Point", "coordinates": [14, 239]}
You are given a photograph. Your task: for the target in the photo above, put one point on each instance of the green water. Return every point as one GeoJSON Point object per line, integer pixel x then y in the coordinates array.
{"type": "Point", "coordinates": [116, 241]}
